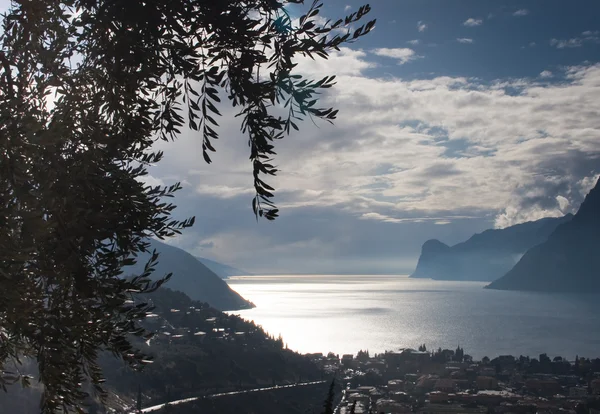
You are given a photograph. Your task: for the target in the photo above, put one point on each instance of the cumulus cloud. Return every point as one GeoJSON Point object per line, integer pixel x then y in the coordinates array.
{"type": "Point", "coordinates": [347, 7]}
{"type": "Point", "coordinates": [413, 42]}
{"type": "Point", "coordinates": [546, 74]}
{"type": "Point", "coordinates": [421, 26]}
{"type": "Point", "coordinates": [403, 55]}
{"type": "Point", "coordinates": [471, 22]}
{"type": "Point", "coordinates": [346, 62]}
{"type": "Point", "coordinates": [521, 13]}
{"type": "Point", "coordinates": [464, 40]}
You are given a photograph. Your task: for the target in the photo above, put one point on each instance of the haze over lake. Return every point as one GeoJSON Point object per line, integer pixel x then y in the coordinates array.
{"type": "Point", "coordinates": [321, 313]}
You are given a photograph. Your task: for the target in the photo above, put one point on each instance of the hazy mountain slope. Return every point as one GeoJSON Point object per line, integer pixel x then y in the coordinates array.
{"type": "Point", "coordinates": [568, 261]}
{"type": "Point", "coordinates": [485, 256]}
{"type": "Point", "coordinates": [222, 270]}
{"type": "Point", "coordinates": [192, 277]}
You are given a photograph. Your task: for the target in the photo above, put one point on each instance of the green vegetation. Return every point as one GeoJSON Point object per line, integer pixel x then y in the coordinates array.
{"type": "Point", "coordinates": [86, 87]}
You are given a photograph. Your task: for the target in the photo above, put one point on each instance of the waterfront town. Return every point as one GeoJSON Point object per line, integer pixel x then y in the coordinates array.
{"type": "Point", "coordinates": [450, 381]}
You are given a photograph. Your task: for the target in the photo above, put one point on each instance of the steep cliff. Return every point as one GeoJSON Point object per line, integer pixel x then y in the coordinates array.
{"type": "Point", "coordinates": [569, 261]}
{"type": "Point", "coordinates": [485, 256]}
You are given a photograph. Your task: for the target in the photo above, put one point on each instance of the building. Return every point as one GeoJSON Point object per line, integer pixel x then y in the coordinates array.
{"type": "Point", "coordinates": [595, 386]}
{"type": "Point", "coordinates": [486, 383]}
{"type": "Point", "coordinates": [359, 398]}
{"type": "Point", "coordinates": [426, 383]}
{"type": "Point", "coordinates": [411, 377]}
{"type": "Point", "coordinates": [445, 385]}
{"type": "Point", "coordinates": [366, 389]}
{"type": "Point", "coordinates": [437, 397]}
{"type": "Point", "coordinates": [487, 371]}
{"type": "Point", "coordinates": [347, 358]}
{"type": "Point", "coordinates": [392, 407]}
{"type": "Point", "coordinates": [578, 392]}
{"type": "Point", "coordinates": [395, 385]}
{"type": "Point", "coordinates": [394, 360]}
{"type": "Point", "coordinates": [494, 398]}
{"type": "Point", "coordinates": [400, 396]}
{"type": "Point", "coordinates": [543, 387]}
{"type": "Point", "coordinates": [451, 409]}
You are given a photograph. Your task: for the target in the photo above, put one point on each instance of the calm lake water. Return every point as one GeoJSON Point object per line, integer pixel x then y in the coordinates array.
{"type": "Point", "coordinates": [321, 313]}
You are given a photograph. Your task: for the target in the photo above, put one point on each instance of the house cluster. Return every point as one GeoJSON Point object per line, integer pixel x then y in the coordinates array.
{"type": "Point", "coordinates": [447, 381]}
{"type": "Point", "coordinates": [211, 327]}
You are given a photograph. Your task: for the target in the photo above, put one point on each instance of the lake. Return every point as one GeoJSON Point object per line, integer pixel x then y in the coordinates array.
{"type": "Point", "coordinates": [343, 314]}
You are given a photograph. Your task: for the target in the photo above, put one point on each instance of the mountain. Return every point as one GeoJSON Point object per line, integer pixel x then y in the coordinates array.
{"type": "Point", "coordinates": [568, 261]}
{"type": "Point", "coordinates": [196, 350]}
{"type": "Point", "coordinates": [190, 276]}
{"type": "Point", "coordinates": [222, 270]}
{"type": "Point", "coordinates": [486, 256]}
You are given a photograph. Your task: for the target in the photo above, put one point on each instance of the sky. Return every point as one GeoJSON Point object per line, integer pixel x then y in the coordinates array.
{"type": "Point", "coordinates": [455, 117]}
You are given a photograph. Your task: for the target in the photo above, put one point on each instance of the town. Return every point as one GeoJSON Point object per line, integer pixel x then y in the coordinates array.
{"type": "Point", "coordinates": [450, 381]}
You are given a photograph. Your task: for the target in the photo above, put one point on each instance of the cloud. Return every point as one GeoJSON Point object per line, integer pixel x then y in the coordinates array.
{"type": "Point", "coordinates": [568, 43]}
{"type": "Point", "coordinates": [345, 62]}
{"type": "Point", "coordinates": [422, 26]}
{"type": "Point", "coordinates": [471, 22]}
{"type": "Point", "coordinates": [347, 7]}
{"type": "Point", "coordinates": [403, 55]}
{"type": "Point", "coordinates": [223, 191]}
{"type": "Point", "coordinates": [413, 42]}
{"type": "Point", "coordinates": [417, 219]}
{"type": "Point", "coordinates": [545, 198]}
{"type": "Point", "coordinates": [546, 74]}
{"type": "Point", "coordinates": [586, 184]}
{"type": "Point", "coordinates": [151, 181]}
{"type": "Point", "coordinates": [409, 152]}
{"type": "Point", "coordinates": [464, 40]}
{"type": "Point", "coordinates": [588, 37]}
{"type": "Point", "coordinates": [521, 13]}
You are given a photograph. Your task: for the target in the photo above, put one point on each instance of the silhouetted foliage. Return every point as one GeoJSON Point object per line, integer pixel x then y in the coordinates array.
{"type": "Point", "coordinates": [86, 88]}
{"type": "Point", "coordinates": [459, 354]}
{"type": "Point", "coordinates": [138, 403]}
{"type": "Point", "coordinates": [362, 356]}
{"type": "Point", "coordinates": [328, 405]}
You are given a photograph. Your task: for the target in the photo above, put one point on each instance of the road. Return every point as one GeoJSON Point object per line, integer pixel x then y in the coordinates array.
{"type": "Point", "coordinates": [224, 394]}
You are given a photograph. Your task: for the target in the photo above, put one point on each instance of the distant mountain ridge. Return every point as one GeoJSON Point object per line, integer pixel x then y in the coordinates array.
{"type": "Point", "coordinates": [569, 261]}
{"type": "Point", "coordinates": [222, 270]}
{"type": "Point", "coordinates": [485, 256]}
{"type": "Point", "coordinates": [190, 276]}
